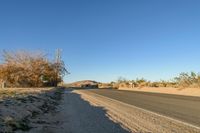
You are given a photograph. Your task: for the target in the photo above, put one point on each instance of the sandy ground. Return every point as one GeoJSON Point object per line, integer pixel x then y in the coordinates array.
{"type": "Point", "coordinates": [167, 90]}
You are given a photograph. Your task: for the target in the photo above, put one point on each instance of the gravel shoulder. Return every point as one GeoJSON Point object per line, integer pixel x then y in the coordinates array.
{"type": "Point", "coordinates": [136, 119]}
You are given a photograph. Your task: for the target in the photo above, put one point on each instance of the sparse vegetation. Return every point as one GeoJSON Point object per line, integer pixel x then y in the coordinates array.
{"type": "Point", "coordinates": [183, 80]}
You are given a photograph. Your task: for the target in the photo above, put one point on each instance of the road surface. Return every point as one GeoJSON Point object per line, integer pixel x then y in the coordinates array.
{"type": "Point", "coordinates": [183, 108]}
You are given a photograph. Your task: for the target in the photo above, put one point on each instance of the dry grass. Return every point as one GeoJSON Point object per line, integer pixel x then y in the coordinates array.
{"type": "Point", "coordinates": [15, 92]}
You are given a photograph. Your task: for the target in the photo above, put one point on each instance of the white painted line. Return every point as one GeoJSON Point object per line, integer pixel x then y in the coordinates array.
{"type": "Point", "coordinates": [132, 106]}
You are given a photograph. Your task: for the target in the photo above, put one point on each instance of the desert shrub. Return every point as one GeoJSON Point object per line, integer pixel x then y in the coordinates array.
{"type": "Point", "coordinates": [114, 85]}
{"type": "Point", "coordinates": [105, 85]}
{"type": "Point", "coordinates": [154, 84]}
{"type": "Point", "coordinates": [188, 80]}
{"type": "Point", "coordinates": [30, 69]}
{"type": "Point", "coordinates": [141, 82]}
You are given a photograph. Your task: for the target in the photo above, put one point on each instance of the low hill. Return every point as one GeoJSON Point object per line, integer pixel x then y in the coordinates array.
{"type": "Point", "coordinates": [84, 83]}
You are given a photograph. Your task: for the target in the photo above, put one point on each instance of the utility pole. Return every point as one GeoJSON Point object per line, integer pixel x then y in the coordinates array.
{"type": "Point", "coordinates": [58, 56]}
{"type": "Point", "coordinates": [58, 62]}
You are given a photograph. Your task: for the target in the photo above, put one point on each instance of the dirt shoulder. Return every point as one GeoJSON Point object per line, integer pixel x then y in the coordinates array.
{"type": "Point", "coordinates": [167, 90]}
{"type": "Point", "coordinates": [78, 116]}
{"type": "Point", "coordinates": [24, 109]}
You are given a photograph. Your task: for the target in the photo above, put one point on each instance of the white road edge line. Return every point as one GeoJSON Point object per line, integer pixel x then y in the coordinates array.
{"type": "Point", "coordinates": [132, 106]}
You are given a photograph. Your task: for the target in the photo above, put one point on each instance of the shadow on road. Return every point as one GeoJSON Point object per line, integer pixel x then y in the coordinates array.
{"type": "Point", "coordinates": [81, 117]}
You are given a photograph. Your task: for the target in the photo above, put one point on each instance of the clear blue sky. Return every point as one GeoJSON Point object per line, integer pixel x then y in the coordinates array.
{"type": "Point", "coordinates": [105, 39]}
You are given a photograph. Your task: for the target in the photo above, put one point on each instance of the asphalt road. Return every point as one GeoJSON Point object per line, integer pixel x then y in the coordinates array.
{"type": "Point", "coordinates": [183, 108]}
